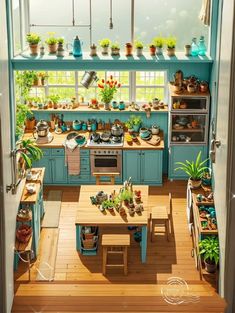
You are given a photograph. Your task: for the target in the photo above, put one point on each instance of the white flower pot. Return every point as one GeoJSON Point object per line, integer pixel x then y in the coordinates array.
{"type": "Point", "coordinates": [105, 50]}
{"type": "Point", "coordinates": [139, 52]}
{"type": "Point", "coordinates": [159, 51]}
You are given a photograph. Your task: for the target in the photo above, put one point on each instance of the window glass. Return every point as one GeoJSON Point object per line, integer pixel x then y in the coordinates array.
{"type": "Point", "coordinates": [150, 85]}
{"type": "Point", "coordinates": [169, 18]}
{"type": "Point", "coordinates": [61, 77]}
{"type": "Point", "coordinates": [63, 92]}
{"type": "Point", "coordinates": [16, 25]}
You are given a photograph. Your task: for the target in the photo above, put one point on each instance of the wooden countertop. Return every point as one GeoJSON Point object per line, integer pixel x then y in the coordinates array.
{"type": "Point", "coordinates": [90, 215]}
{"type": "Point", "coordinates": [59, 139]}
{"type": "Point", "coordinates": [28, 198]}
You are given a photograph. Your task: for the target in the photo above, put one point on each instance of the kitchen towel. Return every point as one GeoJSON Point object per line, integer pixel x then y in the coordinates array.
{"type": "Point", "coordinates": [72, 160]}
{"type": "Point", "coordinates": [204, 14]}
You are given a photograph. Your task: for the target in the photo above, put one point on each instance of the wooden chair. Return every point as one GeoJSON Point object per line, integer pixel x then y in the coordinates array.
{"type": "Point", "coordinates": [162, 215]}
{"type": "Point", "coordinates": [115, 244]}
{"type": "Point", "coordinates": [110, 175]}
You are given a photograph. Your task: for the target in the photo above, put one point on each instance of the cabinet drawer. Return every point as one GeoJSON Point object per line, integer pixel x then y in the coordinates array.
{"type": "Point", "coordinates": [82, 178]}
{"type": "Point", "coordinates": [46, 152]}
{"type": "Point", "coordinates": [85, 168]}
{"type": "Point", "coordinates": [58, 152]}
{"type": "Point", "coordinates": [84, 161]}
{"type": "Point", "coordinates": [84, 152]}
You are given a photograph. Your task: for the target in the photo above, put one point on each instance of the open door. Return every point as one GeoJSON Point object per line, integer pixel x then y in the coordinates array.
{"type": "Point", "coordinates": [222, 154]}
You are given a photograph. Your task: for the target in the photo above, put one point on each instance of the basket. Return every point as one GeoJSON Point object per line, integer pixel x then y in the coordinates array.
{"type": "Point", "coordinates": [88, 243]}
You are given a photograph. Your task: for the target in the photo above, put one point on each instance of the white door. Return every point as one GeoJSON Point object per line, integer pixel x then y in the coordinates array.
{"type": "Point", "coordinates": [221, 167]}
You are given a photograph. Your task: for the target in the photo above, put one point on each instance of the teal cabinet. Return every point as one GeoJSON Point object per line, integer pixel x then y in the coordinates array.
{"type": "Point", "coordinates": [143, 166]}
{"type": "Point", "coordinates": [85, 172]}
{"type": "Point", "coordinates": [59, 170]}
{"type": "Point", "coordinates": [181, 153]}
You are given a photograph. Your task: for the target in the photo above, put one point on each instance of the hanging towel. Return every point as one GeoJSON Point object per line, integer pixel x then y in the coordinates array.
{"type": "Point", "coordinates": [72, 160]}
{"type": "Point", "coordinates": [204, 14]}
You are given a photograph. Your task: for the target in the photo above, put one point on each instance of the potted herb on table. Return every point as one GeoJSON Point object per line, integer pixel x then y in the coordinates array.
{"type": "Point", "coordinates": [159, 43]}
{"type": "Point", "coordinates": [52, 43]}
{"type": "Point", "coordinates": [105, 43]}
{"type": "Point", "coordinates": [107, 91]}
{"type": "Point", "coordinates": [171, 43]}
{"type": "Point", "coordinates": [129, 126]}
{"type": "Point", "coordinates": [54, 99]}
{"type": "Point", "coordinates": [33, 40]}
{"type": "Point", "coordinates": [115, 48]}
{"type": "Point", "coordinates": [194, 170]}
{"type": "Point", "coordinates": [126, 196]}
{"type": "Point", "coordinates": [139, 48]}
{"type": "Point", "coordinates": [60, 49]}
{"type": "Point", "coordinates": [209, 249]}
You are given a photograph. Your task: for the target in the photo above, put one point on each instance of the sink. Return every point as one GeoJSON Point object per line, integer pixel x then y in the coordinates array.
{"type": "Point", "coordinates": [71, 135]}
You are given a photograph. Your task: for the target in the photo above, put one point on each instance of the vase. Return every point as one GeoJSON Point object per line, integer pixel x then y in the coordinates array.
{"type": "Point", "coordinates": [107, 106]}
{"type": "Point", "coordinates": [139, 52]}
{"type": "Point", "coordinates": [158, 50]}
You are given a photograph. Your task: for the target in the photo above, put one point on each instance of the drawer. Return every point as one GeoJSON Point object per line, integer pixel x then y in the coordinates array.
{"type": "Point", "coordinates": [46, 152]}
{"type": "Point", "coordinates": [84, 152]}
{"type": "Point", "coordinates": [84, 161]}
{"type": "Point", "coordinates": [58, 152]}
{"type": "Point", "coordinates": [82, 178]}
{"type": "Point", "coordinates": [85, 168]}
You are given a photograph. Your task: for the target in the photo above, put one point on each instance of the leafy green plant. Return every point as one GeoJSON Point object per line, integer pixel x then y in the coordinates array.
{"type": "Point", "coordinates": [171, 42]}
{"type": "Point", "coordinates": [129, 124]}
{"type": "Point", "coordinates": [126, 195]}
{"type": "Point", "coordinates": [105, 42]}
{"type": "Point", "coordinates": [43, 75]}
{"type": "Point", "coordinates": [22, 113]}
{"type": "Point", "coordinates": [158, 42]}
{"type": "Point", "coordinates": [54, 98]}
{"type": "Point", "coordinates": [24, 82]}
{"type": "Point", "coordinates": [209, 249]}
{"type": "Point", "coordinates": [60, 40]}
{"type": "Point", "coordinates": [139, 44]}
{"type": "Point", "coordinates": [107, 204]}
{"type": "Point", "coordinates": [115, 45]}
{"type": "Point", "coordinates": [136, 119]}
{"type": "Point", "coordinates": [33, 38]}
{"type": "Point", "coordinates": [29, 151]}
{"type": "Point", "coordinates": [51, 40]}
{"type": "Point", "coordinates": [193, 169]}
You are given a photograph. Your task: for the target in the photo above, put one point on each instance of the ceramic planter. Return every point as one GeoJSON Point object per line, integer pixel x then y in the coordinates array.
{"type": "Point", "coordinates": [210, 268]}
{"type": "Point", "coordinates": [129, 49]}
{"type": "Point", "coordinates": [33, 49]}
{"type": "Point", "coordinates": [171, 52]}
{"type": "Point", "coordinates": [60, 50]}
{"type": "Point", "coordinates": [159, 50]}
{"type": "Point", "coordinates": [139, 52]}
{"type": "Point", "coordinates": [195, 183]}
{"type": "Point", "coordinates": [115, 51]}
{"type": "Point", "coordinates": [105, 50]}
{"type": "Point", "coordinates": [52, 48]}
{"type": "Point", "coordinates": [93, 51]}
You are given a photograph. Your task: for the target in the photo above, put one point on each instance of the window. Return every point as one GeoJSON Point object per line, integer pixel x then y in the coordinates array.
{"type": "Point", "coordinates": [145, 86]}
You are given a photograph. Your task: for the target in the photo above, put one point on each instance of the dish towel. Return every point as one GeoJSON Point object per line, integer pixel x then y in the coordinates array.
{"type": "Point", "coordinates": [204, 14]}
{"type": "Point", "coordinates": [72, 160]}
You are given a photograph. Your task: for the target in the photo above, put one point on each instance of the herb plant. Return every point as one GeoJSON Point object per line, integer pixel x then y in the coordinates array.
{"type": "Point", "coordinates": [139, 44]}
{"type": "Point", "coordinates": [158, 42]}
{"type": "Point", "coordinates": [209, 249]}
{"type": "Point", "coordinates": [33, 38]}
{"type": "Point", "coordinates": [29, 151]}
{"type": "Point", "coordinates": [105, 42]}
{"type": "Point", "coordinates": [171, 42]}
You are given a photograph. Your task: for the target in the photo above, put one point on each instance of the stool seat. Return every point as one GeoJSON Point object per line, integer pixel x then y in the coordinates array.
{"type": "Point", "coordinates": [110, 175]}
{"type": "Point", "coordinates": [160, 213]}
{"type": "Point", "coordinates": [115, 244]}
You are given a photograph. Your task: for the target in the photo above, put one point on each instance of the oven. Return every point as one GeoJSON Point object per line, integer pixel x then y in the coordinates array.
{"type": "Point", "coordinates": [106, 161]}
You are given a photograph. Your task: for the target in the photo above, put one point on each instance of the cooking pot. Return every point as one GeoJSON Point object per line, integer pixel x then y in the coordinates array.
{"type": "Point", "coordinates": [95, 137]}
{"type": "Point", "coordinates": [42, 129]}
{"type": "Point", "coordinates": [116, 130]}
{"type": "Point", "coordinates": [105, 136]}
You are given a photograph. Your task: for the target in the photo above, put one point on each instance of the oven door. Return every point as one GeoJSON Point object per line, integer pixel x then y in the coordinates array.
{"type": "Point", "coordinates": [106, 163]}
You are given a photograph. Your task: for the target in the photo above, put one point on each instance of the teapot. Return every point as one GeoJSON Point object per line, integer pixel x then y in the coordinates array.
{"type": "Point", "coordinates": [42, 129]}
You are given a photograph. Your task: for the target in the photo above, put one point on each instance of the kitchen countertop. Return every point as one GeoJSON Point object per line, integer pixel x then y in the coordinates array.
{"type": "Point", "coordinates": [28, 198]}
{"type": "Point", "coordinates": [59, 139]}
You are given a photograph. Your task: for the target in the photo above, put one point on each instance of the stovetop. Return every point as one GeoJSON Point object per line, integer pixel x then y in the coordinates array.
{"type": "Point", "coordinates": [100, 143]}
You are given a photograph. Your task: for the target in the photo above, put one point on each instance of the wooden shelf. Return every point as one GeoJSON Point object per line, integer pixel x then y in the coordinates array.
{"type": "Point", "coordinates": [190, 130]}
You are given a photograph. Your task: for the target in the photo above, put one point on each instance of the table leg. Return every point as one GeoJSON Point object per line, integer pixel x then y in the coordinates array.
{"type": "Point", "coordinates": [143, 244]}
{"type": "Point", "coordinates": [78, 237]}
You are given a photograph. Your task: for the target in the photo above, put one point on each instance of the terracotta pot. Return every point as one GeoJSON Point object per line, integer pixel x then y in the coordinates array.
{"type": "Point", "coordinates": [210, 268]}
{"type": "Point", "coordinates": [152, 50]}
{"type": "Point", "coordinates": [93, 51]}
{"type": "Point", "coordinates": [194, 124]}
{"type": "Point", "coordinates": [195, 183]}
{"type": "Point", "coordinates": [129, 49]}
{"type": "Point", "coordinates": [52, 48]}
{"type": "Point", "coordinates": [171, 52]}
{"type": "Point", "coordinates": [33, 49]}
{"type": "Point", "coordinates": [30, 124]}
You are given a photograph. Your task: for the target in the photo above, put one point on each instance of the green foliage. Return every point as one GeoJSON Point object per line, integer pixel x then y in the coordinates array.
{"type": "Point", "coordinates": [22, 113]}
{"type": "Point", "coordinates": [107, 204]}
{"type": "Point", "coordinates": [209, 249]}
{"type": "Point", "coordinates": [171, 42]}
{"type": "Point", "coordinates": [139, 44]}
{"type": "Point", "coordinates": [60, 40]}
{"type": "Point", "coordinates": [24, 83]}
{"type": "Point", "coordinates": [33, 38]}
{"type": "Point", "coordinates": [126, 195]}
{"type": "Point", "coordinates": [193, 169]}
{"type": "Point", "coordinates": [134, 120]}
{"type": "Point", "coordinates": [105, 42]}
{"type": "Point", "coordinates": [29, 151]}
{"type": "Point", "coordinates": [115, 45]}
{"type": "Point", "coordinates": [43, 75]}
{"type": "Point", "coordinates": [158, 42]}
{"type": "Point", "coordinates": [51, 40]}
{"type": "Point", "coordinates": [54, 98]}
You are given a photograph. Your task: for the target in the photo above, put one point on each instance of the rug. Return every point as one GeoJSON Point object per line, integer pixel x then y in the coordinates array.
{"type": "Point", "coordinates": [52, 209]}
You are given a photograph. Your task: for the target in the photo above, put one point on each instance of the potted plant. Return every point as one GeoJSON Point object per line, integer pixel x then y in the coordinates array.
{"type": "Point", "coordinates": [152, 49]}
{"type": "Point", "coordinates": [126, 196]}
{"type": "Point", "coordinates": [159, 43]}
{"type": "Point", "coordinates": [139, 48]}
{"type": "Point", "coordinates": [129, 126]}
{"type": "Point", "coordinates": [54, 99]}
{"type": "Point", "coordinates": [136, 121]}
{"type": "Point", "coordinates": [171, 43]}
{"type": "Point", "coordinates": [209, 249]}
{"type": "Point", "coordinates": [42, 76]}
{"type": "Point", "coordinates": [108, 204]}
{"type": "Point", "coordinates": [30, 122]}
{"type": "Point", "coordinates": [29, 151]}
{"type": "Point", "coordinates": [60, 49]}
{"type": "Point", "coordinates": [51, 42]}
{"type": "Point", "coordinates": [33, 40]}
{"type": "Point", "coordinates": [129, 49]}
{"type": "Point", "coordinates": [105, 43]}
{"type": "Point", "coordinates": [194, 170]}
{"type": "Point", "coordinates": [35, 78]}
{"type": "Point", "coordinates": [93, 50]}
{"type": "Point", "coordinates": [115, 48]}
{"type": "Point", "coordinates": [107, 90]}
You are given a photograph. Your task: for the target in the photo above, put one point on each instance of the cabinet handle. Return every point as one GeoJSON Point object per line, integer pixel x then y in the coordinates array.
{"type": "Point", "coordinates": [143, 153]}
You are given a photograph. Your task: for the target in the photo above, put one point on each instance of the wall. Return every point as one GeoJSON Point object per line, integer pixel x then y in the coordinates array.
{"type": "Point", "coordinates": [10, 201]}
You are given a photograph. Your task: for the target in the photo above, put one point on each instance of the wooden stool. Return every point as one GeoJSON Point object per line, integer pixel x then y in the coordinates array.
{"type": "Point", "coordinates": [115, 244]}
{"type": "Point", "coordinates": [26, 249]}
{"type": "Point", "coordinates": [110, 175]}
{"type": "Point", "coordinates": [162, 215]}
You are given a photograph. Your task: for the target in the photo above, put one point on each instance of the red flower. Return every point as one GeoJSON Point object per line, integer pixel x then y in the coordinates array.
{"type": "Point", "coordinates": [102, 80]}
{"type": "Point", "coordinates": [107, 82]}
{"type": "Point", "coordinates": [115, 83]}
{"type": "Point", "coordinates": [100, 86]}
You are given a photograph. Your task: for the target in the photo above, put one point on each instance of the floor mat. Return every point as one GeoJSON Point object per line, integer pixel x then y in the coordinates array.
{"type": "Point", "coordinates": [52, 209]}
{"type": "Point", "coordinates": [47, 254]}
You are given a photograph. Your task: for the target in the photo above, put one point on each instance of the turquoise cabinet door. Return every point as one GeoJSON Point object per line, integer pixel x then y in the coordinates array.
{"type": "Point", "coordinates": [45, 162]}
{"type": "Point", "coordinates": [151, 167]}
{"type": "Point", "coordinates": [59, 170]}
{"type": "Point", "coordinates": [181, 154]}
{"type": "Point", "coordinates": [131, 165]}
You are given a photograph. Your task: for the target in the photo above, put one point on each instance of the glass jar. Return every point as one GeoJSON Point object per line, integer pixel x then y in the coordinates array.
{"type": "Point", "coordinates": [194, 47]}
{"type": "Point", "coordinates": [201, 46]}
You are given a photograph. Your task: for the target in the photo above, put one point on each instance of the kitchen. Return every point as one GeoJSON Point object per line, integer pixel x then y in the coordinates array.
{"type": "Point", "coordinates": [113, 147]}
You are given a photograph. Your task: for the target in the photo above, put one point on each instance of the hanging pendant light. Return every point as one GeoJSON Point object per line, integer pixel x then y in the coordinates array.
{"type": "Point", "coordinates": [111, 13]}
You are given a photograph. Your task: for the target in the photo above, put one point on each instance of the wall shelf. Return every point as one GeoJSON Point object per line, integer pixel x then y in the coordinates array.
{"type": "Point", "coordinates": [50, 62]}
{"type": "Point", "coordinates": [85, 109]}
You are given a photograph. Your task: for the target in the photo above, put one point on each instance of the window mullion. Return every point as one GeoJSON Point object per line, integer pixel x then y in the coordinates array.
{"type": "Point", "coordinates": [76, 85]}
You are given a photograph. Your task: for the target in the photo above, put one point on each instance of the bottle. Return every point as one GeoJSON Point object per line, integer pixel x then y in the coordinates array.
{"type": "Point", "coordinates": [194, 47]}
{"type": "Point", "coordinates": [77, 49]}
{"type": "Point", "coordinates": [201, 46]}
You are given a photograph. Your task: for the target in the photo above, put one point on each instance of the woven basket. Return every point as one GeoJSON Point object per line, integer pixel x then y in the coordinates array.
{"type": "Point", "coordinates": [88, 243]}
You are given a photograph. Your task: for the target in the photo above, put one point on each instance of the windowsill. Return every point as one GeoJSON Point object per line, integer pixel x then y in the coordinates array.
{"type": "Point", "coordinates": [69, 62]}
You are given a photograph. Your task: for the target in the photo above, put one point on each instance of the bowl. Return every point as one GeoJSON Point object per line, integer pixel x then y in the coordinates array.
{"type": "Point", "coordinates": [31, 188]}
{"type": "Point", "coordinates": [80, 139]}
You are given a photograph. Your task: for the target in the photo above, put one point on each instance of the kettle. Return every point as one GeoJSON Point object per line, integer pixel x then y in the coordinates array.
{"type": "Point", "coordinates": [77, 49]}
{"type": "Point", "coordinates": [42, 129]}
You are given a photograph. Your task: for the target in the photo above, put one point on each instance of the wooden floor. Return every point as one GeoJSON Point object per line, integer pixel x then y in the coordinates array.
{"type": "Point", "coordinates": [164, 259]}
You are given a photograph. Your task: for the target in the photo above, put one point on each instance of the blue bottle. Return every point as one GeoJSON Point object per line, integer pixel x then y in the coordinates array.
{"type": "Point", "coordinates": [201, 46]}
{"type": "Point", "coordinates": [194, 47]}
{"type": "Point", "coordinates": [77, 49]}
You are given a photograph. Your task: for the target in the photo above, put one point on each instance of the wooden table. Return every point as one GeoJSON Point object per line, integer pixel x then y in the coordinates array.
{"type": "Point", "coordinates": [90, 215]}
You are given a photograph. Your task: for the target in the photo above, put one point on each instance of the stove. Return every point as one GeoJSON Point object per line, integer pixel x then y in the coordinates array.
{"type": "Point", "coordinates": [112, 142]}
